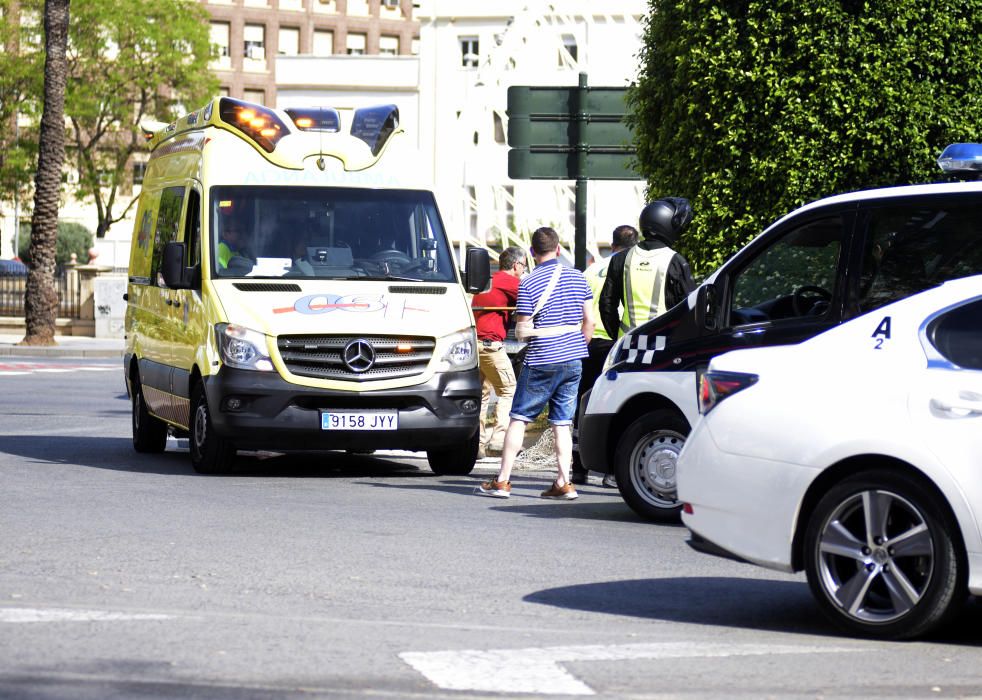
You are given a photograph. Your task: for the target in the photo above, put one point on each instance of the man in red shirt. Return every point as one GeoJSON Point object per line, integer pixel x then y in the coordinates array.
{"type": "Point", "coordinates": [496, 369]}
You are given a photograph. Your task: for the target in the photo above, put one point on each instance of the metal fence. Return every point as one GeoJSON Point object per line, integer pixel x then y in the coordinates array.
{"type": "Point", "coordinates": [69, 294]}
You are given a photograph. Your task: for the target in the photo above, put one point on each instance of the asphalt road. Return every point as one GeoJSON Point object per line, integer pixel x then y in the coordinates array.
{"type": "Point", "coordinates": [126, 575]}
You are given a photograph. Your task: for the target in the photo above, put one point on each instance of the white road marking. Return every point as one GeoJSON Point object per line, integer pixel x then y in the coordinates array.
{"type": "Point", "coordinates": [537, 670]}
{"type": "Point", "coordinates": [71, 615]}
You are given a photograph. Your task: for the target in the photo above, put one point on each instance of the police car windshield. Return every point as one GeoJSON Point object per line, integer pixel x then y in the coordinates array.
{"type": "Point", "coordinates": [328, 233]}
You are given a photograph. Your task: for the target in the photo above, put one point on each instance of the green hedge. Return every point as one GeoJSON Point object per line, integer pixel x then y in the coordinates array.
{"type": "Point", "coordinates": [751, 109]}
{"type": "Point", "coordinates": [72, 238]}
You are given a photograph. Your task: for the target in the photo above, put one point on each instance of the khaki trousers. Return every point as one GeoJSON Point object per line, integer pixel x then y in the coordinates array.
{"type": "Point", "coordinates": [497, 374]}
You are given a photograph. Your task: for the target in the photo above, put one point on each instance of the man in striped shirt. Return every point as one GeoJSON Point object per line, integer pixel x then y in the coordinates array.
{"type": "Point", "coordinates": [551, 373]}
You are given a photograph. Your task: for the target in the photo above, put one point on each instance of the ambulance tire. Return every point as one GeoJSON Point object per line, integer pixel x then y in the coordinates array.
{"type": "Point", "coordinates": [645, 462]}
{"type": "Point", "coordinates": [210, 452]}
{"type": "Point", "coordinates": [455, 461]}
{"type": "Point", "coordinates": [149, 432]}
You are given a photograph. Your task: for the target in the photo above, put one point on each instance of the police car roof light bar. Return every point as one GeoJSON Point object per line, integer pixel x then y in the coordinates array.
{"type": "Point", "coordinates": [962, 160]}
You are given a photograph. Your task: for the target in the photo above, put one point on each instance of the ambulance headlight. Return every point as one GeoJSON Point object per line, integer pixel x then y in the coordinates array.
{"type": "Point", "coordinates": [612, 355]}
{"type": "Point", "coordinates": [243, 348]}
{"type": "Point", "coordinates": [459, 351]}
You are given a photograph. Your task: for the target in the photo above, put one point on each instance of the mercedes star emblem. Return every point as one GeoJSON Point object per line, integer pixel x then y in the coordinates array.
{"type": "Point", "coordinates": [359, 355]}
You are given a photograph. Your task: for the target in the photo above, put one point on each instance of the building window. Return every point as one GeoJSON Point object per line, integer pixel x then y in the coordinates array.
{"type": "Point", "coordinates": [139, 172]}
{"type": "Point", "coordinates": [388, 45]}
{"type": "Point", "coordinates": [289, 41]}
{"type": "Point", "coordinates": [255, 3]}
{"type": "Point", "coordinates": [391, 4]}
{"type": "Point", "coordinates": [569, 47]}
{"type": "Point", "coordinates": [469, 51]}
{"type": "Point", "coordinates": [256, 96]}
{"type": "Point", "coordinates": [219, 45]}
{"type": "Point", "coordinates": [356, 45]}
{"type": "Point", "coordinates": [223, 91]}
{"type": "Point", "coordinates": [291, 5]}
{"type": "Point", "coordinates": [414, 47]}
{"type": "Point", "coordinates": [325, 6]}
{"type": "Point", "coordinates": [254, 40]}
{"type": "Point", "coordinates": [323, 43]}
{"type": "Point", "coordinates": [357, 8]}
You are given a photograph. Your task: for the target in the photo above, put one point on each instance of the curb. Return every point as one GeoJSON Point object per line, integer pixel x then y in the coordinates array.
{"type": "Point", "coordinates": [31, 351]}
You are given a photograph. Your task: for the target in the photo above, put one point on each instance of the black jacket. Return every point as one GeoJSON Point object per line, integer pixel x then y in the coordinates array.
{"type": "Point", "coordinates": [678, 284]}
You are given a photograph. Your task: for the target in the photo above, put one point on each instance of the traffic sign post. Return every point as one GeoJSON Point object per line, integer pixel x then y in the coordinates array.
{"type": "Point", "coordinates": [570, 133]}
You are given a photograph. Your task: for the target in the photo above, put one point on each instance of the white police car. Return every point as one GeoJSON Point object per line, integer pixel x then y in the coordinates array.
{"type": "Point", "coordinates": [821, 265]}
{"type": "Point", "coordinates": [854, 456]}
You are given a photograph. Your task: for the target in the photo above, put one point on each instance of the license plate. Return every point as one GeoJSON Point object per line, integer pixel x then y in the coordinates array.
{"type": "Point", "coordinates": [360, 420]}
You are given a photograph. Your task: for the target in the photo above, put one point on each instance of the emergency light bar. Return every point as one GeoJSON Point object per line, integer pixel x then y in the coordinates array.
{"type": "Point", "coordinates": [963, 160]}
{"type": "Point", "coordinates": [374, 125]}
{"type": "Point", "coordinates": [260, 124]}
{"type": "Point", "coordinates": [315, 118]}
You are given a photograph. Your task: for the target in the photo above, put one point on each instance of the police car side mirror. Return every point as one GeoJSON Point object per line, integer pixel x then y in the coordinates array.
{"type": "Point", "coordinates": [478, 271]}
{"type": "Point", "coordinates": [707, 307]}
{"type": "Point", "coordinates": [176, 276]}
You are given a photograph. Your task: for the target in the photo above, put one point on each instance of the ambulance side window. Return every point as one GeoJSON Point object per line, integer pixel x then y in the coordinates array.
{"type": "Point", "coordinates": [168, 224]}
{"type": "Point", "coordinates": [793, 278]}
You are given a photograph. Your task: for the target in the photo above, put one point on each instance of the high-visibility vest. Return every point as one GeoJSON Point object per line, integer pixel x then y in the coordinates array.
{"type": "Point", "coordinates": [596, 275]}
{"type": "Point", "coordinates": [645, 273]}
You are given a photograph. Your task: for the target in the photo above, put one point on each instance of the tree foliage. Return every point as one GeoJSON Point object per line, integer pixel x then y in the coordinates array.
{"type": "Point", "coordinates": [129, 60]}
{"type": "Point", "coordinates": [21, 85]}
{"type": "Point", "coordinates": [752, 108]}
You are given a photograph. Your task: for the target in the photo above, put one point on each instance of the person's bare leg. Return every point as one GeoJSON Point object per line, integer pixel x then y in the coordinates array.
{"type": "Point", "coordinates": [563, 436]}
{"type": "Point", "coordinates": [514, 437]}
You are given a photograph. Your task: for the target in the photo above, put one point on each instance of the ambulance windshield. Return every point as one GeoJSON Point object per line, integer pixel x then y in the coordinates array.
{"type": "Point", "coordinates": [328, 233]}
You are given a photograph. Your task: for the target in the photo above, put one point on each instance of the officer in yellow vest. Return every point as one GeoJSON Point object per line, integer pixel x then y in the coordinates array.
{"type": "Point", "coordinates": [624, 238]}
{"type": "Point", "coordinates": [650, 278]}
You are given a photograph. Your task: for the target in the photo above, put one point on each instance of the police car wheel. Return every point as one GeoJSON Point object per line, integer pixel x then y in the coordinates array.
{"type": "Point", "coordinates": [456, 460]}
{"type": "Point", "coordinates": [149, 432]}
{"type": "Point", "coordinates": [210, 452]}
{"type": "Point", "coordinates": [645, 462]}
{"type": "Point", "coordinates": [880, 556]}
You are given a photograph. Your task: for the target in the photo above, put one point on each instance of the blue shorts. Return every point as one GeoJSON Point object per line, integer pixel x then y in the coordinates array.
{"type": "Point", "coordinates": [555, 385]}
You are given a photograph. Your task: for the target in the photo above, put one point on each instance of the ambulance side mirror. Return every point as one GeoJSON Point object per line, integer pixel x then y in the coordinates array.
{"type": "Point", "coordinates": [478, 271]}
{"type": "Point", "coordinates": [176, 276]}
{"type": "Point", "coordinates": [707, 307]}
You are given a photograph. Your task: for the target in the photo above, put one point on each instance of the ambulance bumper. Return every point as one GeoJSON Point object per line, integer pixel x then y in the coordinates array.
{"type": "Point", "coordinates": [256, 410]}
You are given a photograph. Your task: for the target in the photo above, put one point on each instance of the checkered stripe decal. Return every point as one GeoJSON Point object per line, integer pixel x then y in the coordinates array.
{"type": "Point", "coordinates": [640, 349]}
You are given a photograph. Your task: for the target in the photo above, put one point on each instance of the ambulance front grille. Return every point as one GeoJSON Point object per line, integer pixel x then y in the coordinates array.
{"type": "Point", "coordinates": [322, 356]}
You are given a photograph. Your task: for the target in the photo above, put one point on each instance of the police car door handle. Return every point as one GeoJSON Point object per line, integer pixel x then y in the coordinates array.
{"type": "Point", "coordinates": [967, 404]}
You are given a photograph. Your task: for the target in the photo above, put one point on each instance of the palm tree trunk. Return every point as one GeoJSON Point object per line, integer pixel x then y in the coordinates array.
{"type": "Point", "coordinates": [41, 296]}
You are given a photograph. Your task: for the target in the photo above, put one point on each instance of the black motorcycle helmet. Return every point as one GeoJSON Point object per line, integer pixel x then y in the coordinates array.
{"type": "Point", "coordinates": [665, 219]}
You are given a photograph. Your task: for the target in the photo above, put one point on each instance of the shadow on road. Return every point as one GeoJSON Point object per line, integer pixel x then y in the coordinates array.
{"type": "Point", "coordinates": [118, 454]}
{"type": "Point", "coordinates": [765, 605]}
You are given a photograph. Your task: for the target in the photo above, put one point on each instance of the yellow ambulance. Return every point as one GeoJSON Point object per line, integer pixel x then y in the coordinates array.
{"type": "Point", "coordinates": [292, 288]}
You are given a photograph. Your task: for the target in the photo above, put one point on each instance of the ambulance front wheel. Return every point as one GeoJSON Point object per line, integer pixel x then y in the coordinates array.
{"type": "Point", "coordinates": [645, 464]}
{"type": "Point", "coordinates": [455, 460]}
{"type": "Point", "coordinates": [210, 452]}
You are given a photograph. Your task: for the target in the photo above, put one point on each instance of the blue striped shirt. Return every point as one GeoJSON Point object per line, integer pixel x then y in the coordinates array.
{"type": "Point", "coordinates": [564, 307]}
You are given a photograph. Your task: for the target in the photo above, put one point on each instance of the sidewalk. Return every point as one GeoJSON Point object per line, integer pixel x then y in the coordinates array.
{"type": "Point", "coordinates": [75, 346]}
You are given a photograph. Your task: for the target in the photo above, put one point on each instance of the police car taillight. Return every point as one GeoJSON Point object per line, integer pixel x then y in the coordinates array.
{"type": "Point", "coordinates": [315, 119]}
{"type": "Point", "coordinates": [259, 123]}
{"type": "Point", "coordinates": [716, 386]}
{"type": "Point", "coordinates": [962, 160]}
